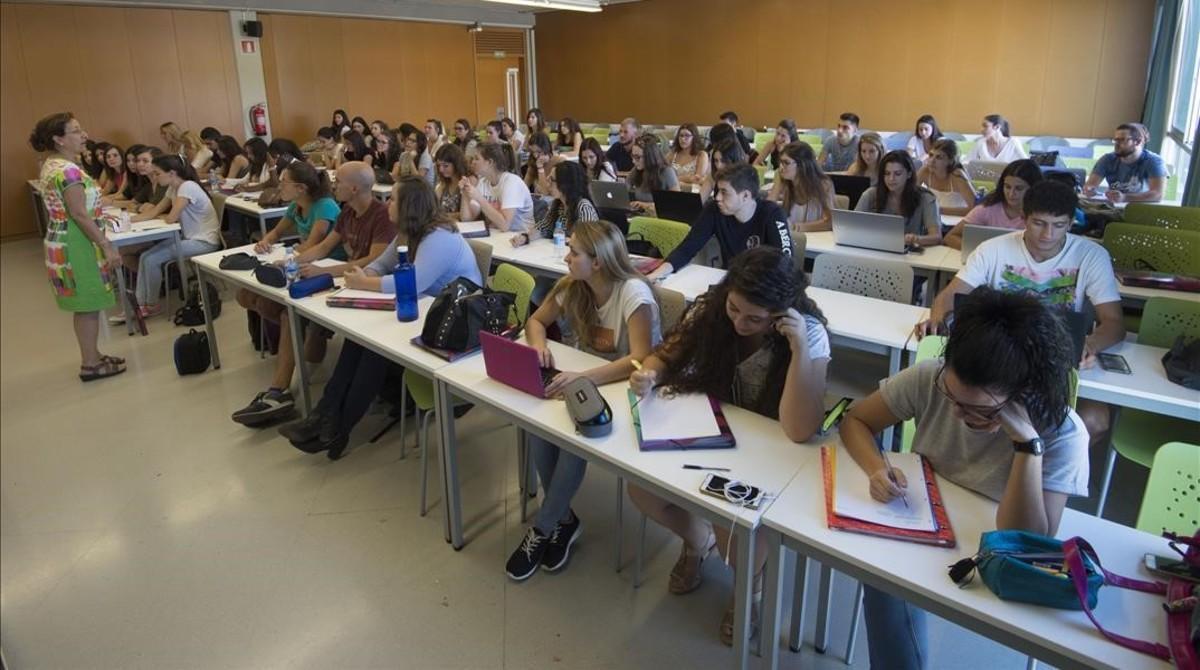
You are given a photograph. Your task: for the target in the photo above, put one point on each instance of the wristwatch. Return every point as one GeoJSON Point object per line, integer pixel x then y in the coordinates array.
{"type": "Point", "coordinates": [1033, 447]}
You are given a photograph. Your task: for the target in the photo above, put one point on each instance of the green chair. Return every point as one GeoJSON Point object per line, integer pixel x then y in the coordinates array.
{"type": "Point", "coordinates": [930, 346]}
{"type": "Point", "coordinates": [514, 280]}
{"type": "Point", "coordinates": [811, 140]}
{"type": "Point", "coordinates": [1163, 216]}
{"type": "Point", "coordinates": [664, 234]}
{"type": "Point", "coordinates": [1138, 247]}
{"type": "Point", "coordinates": [1101, 147]}
{"type": "Point", "coordinates": [762, 139]}
{"type": "Point", "coordinates": [965, 147]}
{"type": "Point", "coordinates": [1137, 434]}
{"type": "Point", "coordinates": [1085, 164]}
{"type": "Point", "coordinates": [600, 135]}
{"type": "Point", "coordinates": [1172, 498]}
{"type": "Point", "coordinates": [1171, 190]}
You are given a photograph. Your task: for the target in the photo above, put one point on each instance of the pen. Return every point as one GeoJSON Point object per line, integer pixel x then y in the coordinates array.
{"type": "Point", "coordinates": [892, 476]}
{"type": "Point", "coordinates": [704, 467]}
{"type": "Point", "coordinates": [637, 365]}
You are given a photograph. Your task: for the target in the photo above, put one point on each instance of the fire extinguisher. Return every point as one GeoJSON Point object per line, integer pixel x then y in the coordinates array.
{"type": "Point", "coordinates": [258, 119]}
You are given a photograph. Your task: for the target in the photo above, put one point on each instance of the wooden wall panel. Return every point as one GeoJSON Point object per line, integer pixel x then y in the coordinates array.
{"type": "Point", "coordinates": [16, 120]}
{"type": "Point", "coordinates": [1127, 35]}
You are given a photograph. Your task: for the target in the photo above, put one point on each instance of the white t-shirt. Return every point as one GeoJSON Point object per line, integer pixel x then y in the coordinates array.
{"type": "Point", "coordinates": [203, 156]}
{"type": "Point", "coordinates": [513, 194]}
{"type": "Point", "coordinates": [610, 338]}
{"type": "Point", "coordinates": [1082, 269]}
{"type": "Point", "coordinates": [1010, 150]}
{"type": "Point", "coordinates": [198, 218]}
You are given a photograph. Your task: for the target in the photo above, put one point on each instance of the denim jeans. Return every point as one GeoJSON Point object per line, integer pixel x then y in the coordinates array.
{"type": "Point", "coordinates": [561, 473]}
{"type": "Point", "coordinates": [149, 279]}
{"type": "Point", "coordinates": [896, 634]}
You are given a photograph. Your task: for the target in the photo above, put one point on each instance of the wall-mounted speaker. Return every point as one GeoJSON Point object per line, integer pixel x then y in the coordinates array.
{"type": "Point", "coordinates": [252, 28]}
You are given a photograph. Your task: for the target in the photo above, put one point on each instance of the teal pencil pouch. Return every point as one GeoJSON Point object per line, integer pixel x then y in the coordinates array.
{"type": "Point", "coordinates": [1028, 568]}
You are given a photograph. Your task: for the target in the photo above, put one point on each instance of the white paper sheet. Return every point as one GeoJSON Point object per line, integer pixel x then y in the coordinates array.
{"type": "Point", "coordinates": [472, 227]}
{"type": "Point", "coordinates": [362, 294]}
{"type": "Point", "coordinates": [679, 417]}
{"type": "Point", "coordinates": [327, 262]}
{"type": "Point", "coordinates": [693, 280]}
{"type": "Point", "coordinates": [852, 494]}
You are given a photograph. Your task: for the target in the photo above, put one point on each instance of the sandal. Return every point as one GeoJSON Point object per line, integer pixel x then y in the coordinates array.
{"type": "Point", "coordinates": [687, 575]}
{"type": "Point", "coordinates": [755, 603]}
{"type": "Point", "coordinates": [115, 360]}
{"type": "Point", "coordinates": [90, 373]}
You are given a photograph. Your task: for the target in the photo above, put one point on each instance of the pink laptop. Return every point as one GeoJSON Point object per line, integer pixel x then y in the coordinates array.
{"type": "Point", "coordinates": [515, 364]}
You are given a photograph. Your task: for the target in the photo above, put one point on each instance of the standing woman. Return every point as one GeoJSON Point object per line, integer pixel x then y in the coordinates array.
{"type": "Point", "coordinates": [595, 163]}
{"type": "Point", "coordinates": [866, 161]}
{"type": "Point", "coordinates": [947, 179]}
{"type": "Point", "coordinates": [451, 166]}
{"type": "Point", "coordinates": [996, 144]}
{"type": "Point", "coordinates": [804, 191]}
{"type": "Point", "coordinates": [572, 204]}
{"type": "Point", "coordinates": [570, 137]}
{"type": "Point", "coordinates": [785, 134]}
{"type": "Point", "coordinates": [687, 157]}
{"type": "Point", "coordinates": [234, 164]}
{"type": "Point", "coordinates": [79, 258]}
{"type": "Point", "coordinates": [650, 173]}
{"type": "Point", "coordinates": [924, 135]}
{"type": "Point", "coordinates": [897, 192]}
{"type": "Point", "coordinates": [112, 178]}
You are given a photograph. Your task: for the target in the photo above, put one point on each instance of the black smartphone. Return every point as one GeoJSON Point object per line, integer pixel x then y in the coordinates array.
{"type": "Point", "coordinates": [1169, 567]}
{"type": "Point", "coordinates": [716, 486]}
{"type": "Point", "coordinates": [835, 414]}
{"type": "Point", "coordinates": [1114, 363]}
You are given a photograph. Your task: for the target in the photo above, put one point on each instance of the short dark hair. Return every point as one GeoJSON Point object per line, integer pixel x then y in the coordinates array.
{"type": "Point", "coordinates": [849, 117]}
{"type": "Point", "coordinates": [1023, 169]}
{"type": "Point", "coordinates": [326, 133]}
{"type": "Point", "coordinates": [1137, 131]}
{"type": "Point", "coordinates": [47, 128]}
{"type": "Point", "coordinates": [730, 116]}
{"type": "Point", "coordinates": [210, 134]}
{"type": "Point", "coordinates": [741, 177]}
{"type": "Point", "coordinates": [173, 163]}
{"type": "Point", "coordinates": [437, 123]}
{"type": "Point", "coordinates": [1051, 197]}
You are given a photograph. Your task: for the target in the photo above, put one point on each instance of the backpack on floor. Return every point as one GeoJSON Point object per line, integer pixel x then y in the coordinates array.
{"type": "Point", "coordinates": [191, 353]}
{"type": "Point", "coordinates": [192, 313]}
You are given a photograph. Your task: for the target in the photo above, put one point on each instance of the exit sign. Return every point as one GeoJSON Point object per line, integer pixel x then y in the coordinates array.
{"type": "Point", "coordinates": [499, 54]}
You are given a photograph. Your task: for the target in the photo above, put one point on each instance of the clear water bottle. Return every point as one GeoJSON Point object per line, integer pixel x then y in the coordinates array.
{"type": "Point", "coordinates": [406, 288]}
{"type": "Point", "coordinates": [291, 268]}
{"type": "Point", "coordinates": [560, 237]}
{"type": "Point", "coordinates": [214, 179]}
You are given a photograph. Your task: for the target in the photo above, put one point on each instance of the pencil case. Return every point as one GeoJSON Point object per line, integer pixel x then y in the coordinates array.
{"type": "Point", "coordinates": [1028, 568]}
{"type": "Point", "coordinates": [302, 288]}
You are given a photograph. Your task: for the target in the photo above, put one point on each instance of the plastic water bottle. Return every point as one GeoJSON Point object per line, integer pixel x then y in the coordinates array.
{"type": "Point", "coordinates": [291, 268]}
{"type": "Point", "coordinates": [406, 288]}
{"type": "Point", "coordinates": [560, 237]}
{"type": "Point", "coordinates": [214, 179]}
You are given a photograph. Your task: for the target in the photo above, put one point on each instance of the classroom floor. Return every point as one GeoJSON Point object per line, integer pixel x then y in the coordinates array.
{"type": "Point", "coordinates": [141, 528]}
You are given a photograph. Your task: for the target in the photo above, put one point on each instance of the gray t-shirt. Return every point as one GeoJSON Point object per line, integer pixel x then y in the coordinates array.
{"type": "Point", "coordinates": [668, 179]}
{"type": "Point", "coordinates": [973, 459]}
{"type": "Point", "coordinates": [750, 380]}
{"type": "Point", "coordinates": [838, 157]}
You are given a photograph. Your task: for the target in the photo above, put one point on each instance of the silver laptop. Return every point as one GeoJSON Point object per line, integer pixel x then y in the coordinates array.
{"type": "Point", "coordinates": [985, 170]}
{"type": "Point", "coordinates": [867, 230]}
{"type": "Point", "coordinates": [973, 236]}
{"type": "Point", "coordinates": [610, 194]}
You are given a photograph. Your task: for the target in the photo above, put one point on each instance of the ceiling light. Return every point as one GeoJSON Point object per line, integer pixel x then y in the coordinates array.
{"type": "Point", "coordinates": [570, 5]}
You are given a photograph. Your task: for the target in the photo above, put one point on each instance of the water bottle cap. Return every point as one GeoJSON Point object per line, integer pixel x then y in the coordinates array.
{"type": "Point", "coordinates": [402, 248]}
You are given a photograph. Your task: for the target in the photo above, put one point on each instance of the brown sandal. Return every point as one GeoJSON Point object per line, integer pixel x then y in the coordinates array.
{"type": "Point", "coordinates": [106, 368]}
{"type": "Point", "coordinates": [115, 360]}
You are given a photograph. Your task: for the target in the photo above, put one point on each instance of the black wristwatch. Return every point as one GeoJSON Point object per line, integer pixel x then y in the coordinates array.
{"type": "Point", "coordinates": [1034, 447]}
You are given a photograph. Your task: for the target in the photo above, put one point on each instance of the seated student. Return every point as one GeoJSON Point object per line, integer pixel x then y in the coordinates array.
{"type": "Point", "coordinates": [339, 121]}
{"type": "Point", "coordinates": [572, 204]}
{"type": "Point", "coordinates": [730, 119]}
{"type": "Point", "coordinates": [327, 148]}
{"type": "Point", "coordinates": [377, 128]}
{"type": "Point", "coordinates": [259, 169]}
{"type": "Point", "coordinates": [451, 166]}
{"type": "Point", "coordinates": [440, 255]}
{"type": "Point", "coordinates": [464, 138]}
{"type": "Point", "coordinates": [866, 161]}
{"type": "Point", "coordinates": [435, 135]}
{"type": "Point", "coordinates": [840, 150]}
{"type": "Point", "coordinates": [897, 192]}
{"type": "Point", "coordinates": [785, 134]}
{"type": "Point", "coordinates": [385, 153]}
{"type": "Point", "coordinates": [620, 153]}
{"type": "Point", "coordinates": [361, 234]}
{"type": "Point", "coordinates": [687, 157]}
{"type": "Point", "coordinates": [737, 216]}
{"type": "Point", "coordinates": [569, 138]}
{"type": "Point", "coordinates": [1133, 172]}
{"type": "Point", "coordinates": [993, 416]}
{"type": "Point", "coordinates": [724, 150]}
{"type": "Point", "coordinates": [535, 122]}
{"type": "Point", "coordinates": [946, 178]}
{"type": "Point", "coordinates": [149, 198]}
{"type": "Point", "coordinates": [1004, 206]}
{"type": "Point", "coordinates": [131, 183]}
{"type": "Point", "coordinates": [112, 178]}
{"type": "Point", "coordinates": [650, 173]}
{"type": "Point", "coordinates": [996, 144]}
{"type": "Point", "coordinates": [1060, 269]}
{"type": "Point", "coordinates": [925, 134]}
{"type": "Point", "coordinates": [359, 125]}
{"type": "Point", "coordinates": [356, 149]}
{"type": "Point", "coordinates": [234, 164]}
{"type": "Point", "coordinates": [611, 312]}
{"type": "Point", "coordinates": [755, 340]}
{"type": "Point", "coordinates": [503, 199]}
{"type": "Point", "coordinates": [493, 132]}
{"type": "Point", "coordinates": [87, 160]}
{"type": "Point", "coordinates": [803, 189]}
{"type": "Point", "coordinates": [193, 211]}
{"type": "Point", "coordinates": [595, 162]}
{"type": "Point", "coordinates": [512, 134]}
{"type": "Point", "coordinates": [540, 165]}
{"type": "Point", "coordinates": [209, 136]}
{"type": "Point", "coordinates": [187, 145]}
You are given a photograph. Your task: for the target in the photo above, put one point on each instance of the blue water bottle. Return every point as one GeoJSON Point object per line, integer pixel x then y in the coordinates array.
{"type": "Point", "coordinates": [406, 288]}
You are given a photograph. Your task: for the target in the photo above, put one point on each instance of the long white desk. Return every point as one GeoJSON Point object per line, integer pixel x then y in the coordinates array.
{"type": "Point", "coordinates": [1146, 389]}
{"type": "Point", "coordinates": [141, 233]}
{"type": "Point", "coordinates": [918, 573]}
{"type": "Point", "coordinates": [210, 264]}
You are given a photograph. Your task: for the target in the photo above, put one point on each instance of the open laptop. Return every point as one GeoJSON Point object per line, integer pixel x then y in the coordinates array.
{"type": "Point", "coordinates": [867, 230]}
{"type": "Point", "coordinates": [515, 364]}
{"type": "Point", "coordinates": [682, 206]}
{"type": "Point", "coordinates": [851, 186]}
{"type": "Point", "coordinates": [610, 194]}
{"type": "Point", "coordinates": [973, 236]}
{"type": "Point", "coordinates": [985, 170]}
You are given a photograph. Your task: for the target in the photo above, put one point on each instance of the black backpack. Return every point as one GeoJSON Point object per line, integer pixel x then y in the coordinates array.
{"type": "Point", "coordinates": [192, 313]}
{"type": "Point", "coordinates": [191, 353]}
{"type": "Point", "coordinates": [460, 311]}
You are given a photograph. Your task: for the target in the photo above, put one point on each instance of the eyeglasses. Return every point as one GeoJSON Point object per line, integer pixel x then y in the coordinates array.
{"type": "Point", "coordinates": [981, 412]}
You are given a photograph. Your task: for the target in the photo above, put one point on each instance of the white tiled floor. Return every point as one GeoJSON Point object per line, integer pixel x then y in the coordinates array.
{"type": "Point", "coordinates": [140, 528]}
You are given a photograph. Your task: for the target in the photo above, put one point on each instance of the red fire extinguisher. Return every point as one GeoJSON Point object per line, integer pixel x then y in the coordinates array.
{"type": "Point", "coordinates": [258, 119]}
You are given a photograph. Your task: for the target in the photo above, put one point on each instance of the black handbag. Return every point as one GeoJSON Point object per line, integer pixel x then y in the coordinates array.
{"type": "Point", "coordinates": [238, 261]}
{"type": "Point", "coordinates": [1182, 363]}
{"type": "Point", "coordinates": [460, 311]}
{"type": "Point", "coordinates": [192, 312]}
{"type": "Point", "coordinates": [191, 353]}
{"type": "Point", "coordinates": [638, 245]}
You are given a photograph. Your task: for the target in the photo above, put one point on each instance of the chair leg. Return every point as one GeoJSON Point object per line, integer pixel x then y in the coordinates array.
{"type": "Point", "coordinates": [523, 473]}
{"type": "Point", "coordinates": [824, 603]}
{"type": "Point", "coordinates": [796, 625]}
{"type": "Point", "coordinates": [423, 445]}
{"type": "Point", "coordinates": [1110, 464]}
{"type": "Point", "coordinates": [638, 554]}
{"type": "Point", "coordinates": [620, 521]}
{"type": "Point", "coordinates": [854, 622]}
{"type": "Point", "coordinates": [403, 411]}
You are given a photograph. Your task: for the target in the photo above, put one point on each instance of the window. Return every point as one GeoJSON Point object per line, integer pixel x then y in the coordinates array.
{"type": "Point", "coordinates": [1185, 94]}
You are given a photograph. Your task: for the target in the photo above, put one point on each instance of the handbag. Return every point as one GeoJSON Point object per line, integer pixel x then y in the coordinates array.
{"type": "Point", "coordinates": [238, 261]}
{"type": "Point", "coordinates": [191, 353]}
{"type": "Point", "coordinates": [1182, 363]}
{"type": "Point", "coordinates": [460, 311]}
{"type": "Point", "coordinates": [638, 245]}
{"type": "Point", "coordinates": [270, 197]}
{"type": "Point", "coordinates": [192, 312]}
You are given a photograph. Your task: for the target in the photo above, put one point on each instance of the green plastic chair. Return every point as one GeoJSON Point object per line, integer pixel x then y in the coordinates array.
{"type": "Point", "coordinates": [813, 141]}
{"type": "Point", "coordinates": [1172, 498]}
{"type": "Point", "coordinates": [762, 139]}
{"type": "Point", "coordinates": [664, 234]}
{"type": "Point", "coordinates": [1137, 434]}
{"type": "Point", "coordinates": [514, 280]}
{"type": "Point", "coordinates": [1134, 246]}
{"type": "Point", "coordinates": [1163, 216]}
{"type": "Point", "coordinates": [930, 346]}
{"type": "Point", "coordinates": [600, 135]}
{"type": "Point", "coordinates": [965, 147]}
{"type": "Point", "coordinates": [1101, 148]}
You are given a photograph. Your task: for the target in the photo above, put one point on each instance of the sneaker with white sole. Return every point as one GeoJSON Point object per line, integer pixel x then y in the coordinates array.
{"type": "Point", "coordinates": [267, 406]}
{"type": "Point", "coordinates": [558, 547]}
{"type": "Point", "coordinates": [117, 319]}
{"type": "Point", "coordinates": [528, 556]}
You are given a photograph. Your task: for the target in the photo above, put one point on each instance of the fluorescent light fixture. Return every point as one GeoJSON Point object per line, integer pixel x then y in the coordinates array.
{"type": "Point", "coordinates": [571, 5]}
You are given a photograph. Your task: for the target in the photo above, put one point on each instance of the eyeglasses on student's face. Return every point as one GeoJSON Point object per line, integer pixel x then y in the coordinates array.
{"type": "Point", "coordinates": [980, 412]}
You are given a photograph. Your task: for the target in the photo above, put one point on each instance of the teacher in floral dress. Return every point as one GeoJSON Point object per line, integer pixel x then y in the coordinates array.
{"type": "Point", "coordinates": [80, 260]}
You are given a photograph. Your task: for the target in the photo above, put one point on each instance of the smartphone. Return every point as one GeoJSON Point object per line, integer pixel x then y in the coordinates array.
{"type": "Point", "coordinates": [714, 485]}
{"type": "Point", "coordinates": [835, 414]}
{"type": "Point", "coordinates": [1114, 363]}
{"type": "Point", "coordinates": [1169, 567]}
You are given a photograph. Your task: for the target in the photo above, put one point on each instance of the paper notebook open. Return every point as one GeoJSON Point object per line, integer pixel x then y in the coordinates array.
{"type": "Point", "coordinates": [850, 507]}
{"type": "Point", "coordinates": [685, 421]}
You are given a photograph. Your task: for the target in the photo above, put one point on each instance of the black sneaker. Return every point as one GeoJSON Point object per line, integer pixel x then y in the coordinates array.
{"type": "Point", "coordinates": [526, 559]}
{"type": "Point", "coordinates": [305, 430]}
{"type": "Point", "coordinates": [270, 405]}
{"type": "Point", "coordinates": [558, 547]}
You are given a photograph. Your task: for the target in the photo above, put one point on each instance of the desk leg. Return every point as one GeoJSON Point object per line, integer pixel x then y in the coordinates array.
{"type": "Point", "coordinates": [297, 326]}
{"type": "Point", "coordinates": [262, 225]}
{"type": "Point", "coordinates": [768, 635]}
{"type": "Point", "coordinates": [824, 602]}
{"type": "Point", "coordinates": [799, 593]}
{"type": "Point", "coordinates": [743, 594]}
{"type": "Point", "coordinates": [209, 327]}
{"type": "Point", "coordinates": [181, 263]}
{"type": "Point", "coordinates": [123, 299]}
{"type": "Point", "coordinates": [450, 492]}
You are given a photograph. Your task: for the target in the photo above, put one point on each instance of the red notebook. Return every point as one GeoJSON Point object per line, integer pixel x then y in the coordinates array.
{"type": "Point", "coordinates": [942, 537]}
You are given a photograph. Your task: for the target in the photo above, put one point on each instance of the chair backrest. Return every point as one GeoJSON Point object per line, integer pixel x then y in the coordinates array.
{"type": "Point", "coordinates": [813, 140]}
{"type": "Point", "coordinates": [483, 257]}
{"type": "Point", "coordinates": [1045, 142]}
{"type": "Point", "coordinates": [957, 137]}
{"type": "Point", "coordinates": [663, 234]}
{"type": "Point", "coordinates": [671, 306]}
{"type": "Point", "coordinates": [1163, 216]}
{"type": "Point", "coordinates": [762, 139]}
{"type": "Point", "coordinates": [1172, 498]}
{"type": "Point", "coordinates": [799, 246]}
{"type": "Point", "coordinates": [874, 278]}
{"type": "Point", "coordinates": [1164, 319]}
{"type": "Point", "coordinates": [930, 346]}
{"type": "Point", "coordinates": [897, 141]}
{"type": "Point", "coordinates": [514, 280]}
{"type": "Point", "coordinates": [1134, 246]}
{"type": "Point", "coordinates": [420, 388]}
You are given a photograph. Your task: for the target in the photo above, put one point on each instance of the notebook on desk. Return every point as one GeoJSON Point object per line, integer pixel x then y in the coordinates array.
{"type": "Point", "coordinates": [360, 299]}
{"type": "Point", "coordinates": [666, 421]}
{"type": "Point", "coordinates": [471, 229]}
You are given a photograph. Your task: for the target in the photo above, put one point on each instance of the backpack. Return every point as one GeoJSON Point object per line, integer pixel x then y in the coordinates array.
{"type": "Point", "coordinates": [191, 353]}
{"type": "Point", "coordinates": [192, 313]}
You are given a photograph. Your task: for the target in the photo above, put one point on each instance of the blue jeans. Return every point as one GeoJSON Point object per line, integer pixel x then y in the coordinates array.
{"type": "Point", "coordinates": [561, 473]}
{"type": "Point", "coordinates": [896, 634]}
{"type": "Point", "coordinates": [149, 279]}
